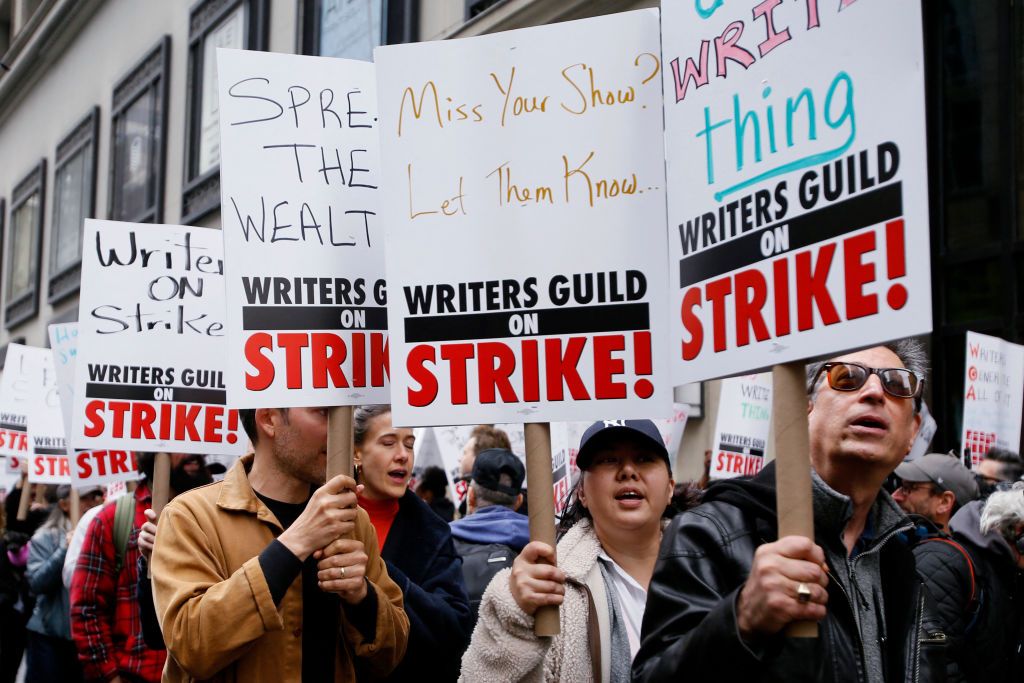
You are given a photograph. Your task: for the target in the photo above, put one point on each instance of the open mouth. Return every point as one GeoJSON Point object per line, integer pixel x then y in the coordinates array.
{"type": "Point", "coordinates": [629, 497]}
{"type": "Point", "coordinates": [398, 476]}
{"type": "Point", "coordinates": [870, 422]}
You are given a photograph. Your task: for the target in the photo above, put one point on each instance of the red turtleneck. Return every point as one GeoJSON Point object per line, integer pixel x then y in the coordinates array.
{"type": "Point", "coordinates": [382, 514]}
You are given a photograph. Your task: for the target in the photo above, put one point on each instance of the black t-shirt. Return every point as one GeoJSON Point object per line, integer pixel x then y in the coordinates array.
{"type": "Point", "coordinates": [320, 610]}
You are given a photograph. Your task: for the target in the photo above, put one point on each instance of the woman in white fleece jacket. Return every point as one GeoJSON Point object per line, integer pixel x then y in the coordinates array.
{"type": "Point", "coordinates": [606, 555]}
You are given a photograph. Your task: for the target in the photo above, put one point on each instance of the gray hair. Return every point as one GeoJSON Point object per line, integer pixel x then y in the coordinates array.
{"type": "Point", "coordinates": [910, 351]}
{"type": "Point", "coordinates": [1004, 511]}
{"type": "Point", "coordinates": [487, 498]}
{"type": "Point", "coordinates": [361, 418]}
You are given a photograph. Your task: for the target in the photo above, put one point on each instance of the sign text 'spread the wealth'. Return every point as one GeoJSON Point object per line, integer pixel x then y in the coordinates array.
{"type": "Point", "coordinates": [149, 373]}
{"type": "Point", "coordinates": [306, 296]}
{"type": "Point", "coordinates": [797, 180]}
{"type": "Point", "coordinates": [523, 183]}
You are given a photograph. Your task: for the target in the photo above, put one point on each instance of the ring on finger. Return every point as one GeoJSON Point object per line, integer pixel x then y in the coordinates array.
{"type": "Point", "coordinates": [342, 572]}
{"type": "Point", "coordinates": [803, 593]}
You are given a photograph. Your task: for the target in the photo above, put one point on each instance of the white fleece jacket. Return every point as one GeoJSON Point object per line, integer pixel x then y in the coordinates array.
{"type": "Point", "coordinates": [504, 647]}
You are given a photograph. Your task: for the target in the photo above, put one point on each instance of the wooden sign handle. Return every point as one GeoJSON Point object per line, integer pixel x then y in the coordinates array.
{"type": "Point", "coordinates": [26, 497]}
{"type": "Point", "coordinates": [541, 503]}
{"type": "Point", "coordinates": [340, 442]}
{"type": "Point", "coordinates": [76, 506]}
{"type": "Point", "coordinates": [793, 464]}
{"type": "Point", "coordinates": [161, 489]}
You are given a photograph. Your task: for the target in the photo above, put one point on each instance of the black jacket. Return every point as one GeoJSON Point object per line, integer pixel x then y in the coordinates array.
{"type": "Point", "coordinates": [421, 559]}
{"type": "Point", "coordinates": [994, 649]}
{"type": "Point", "coordinates": [690, 630]}
{"type": "Point", "coordinates": [949, 573]}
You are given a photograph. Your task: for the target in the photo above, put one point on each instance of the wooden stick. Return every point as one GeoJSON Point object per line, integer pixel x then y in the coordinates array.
{"type": "Point", "coordinates": [76, 507]}
{"type": "Point", "coordinates": [541, 502]}
{"type": "Point", "coordinates": [26, 497]}
{"type": "Point", "coordinates": [340, 443]}
{"type": "Point", "coordinates": [161, 490]}
{"type": "Point", "coordinates": [793, 464]}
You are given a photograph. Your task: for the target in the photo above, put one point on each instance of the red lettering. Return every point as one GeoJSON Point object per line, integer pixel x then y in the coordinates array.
{"type": "Point", "coordinates": [212, 424]}
{"type": "Point", "coordinates": [531, 371]}
{"type": "Point", "coordinates": [457, 356]}
{"type": "Point", "coordinates": [82, 463]}
{"type": "Point", "coordinates": [491, 374]}
{"type": "Point", "coordinates": [414, 365]}
{"type": "Point", "coordinates": [329, 353]}
{"type": "Point", "coordinates": [93, 418]}
{"type": "Point", "coordinates": [358, 359]}
{"type": "Point", "coordinates": [606, 367]}
{"type": "Point", "coordinates": [857, 274]}
{"type": "Point", "coordinates": [716, 291]}
{"type": "Point", "coordinates": [780, 270]}
{"type": "Point", "coordinates": [119, 462]}
{"type": "Point", "coordinates": [561, 369]}
{"type": "Point", "coordinates": [379, 361]}
{"type": "Point", "coordinates": [293, 343]}
{"type": "Point", "coordinates": [264, 366]}
{"type": "Point", "coordinates": [811, 288]}
{"type": "Point", "coordinates": [143, 416]}
{"type": "Point", "coordinates": [185, 417]}
{"type": "Point", "coordinates": [692, 300]}
{"type": "Point", "coordinates": [751, 294]}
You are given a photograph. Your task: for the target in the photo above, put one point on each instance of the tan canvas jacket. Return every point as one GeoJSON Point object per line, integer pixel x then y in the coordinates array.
{"type": "Point", "coordinates": [218, 618]}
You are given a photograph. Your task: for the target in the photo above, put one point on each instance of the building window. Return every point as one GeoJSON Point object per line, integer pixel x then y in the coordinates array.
{"type": "Point", "coordinates": [138, 139]}
{"type": "Point", "coordinates": [239, 24]}
{"type": "Point", "coordinates": [74, 200]}
{"type": "Point", "coordinates": [974, 55]}
{"type": "Point", "coordinates": [352, 28]}
{"type": "Point", "coordinates": [477, 7]}
{"type": "Point", "coordinates": [26, 231]}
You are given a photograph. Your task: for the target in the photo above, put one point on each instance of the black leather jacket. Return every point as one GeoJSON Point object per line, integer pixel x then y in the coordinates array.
{"type": "Point", "coordinates": [690, 630]}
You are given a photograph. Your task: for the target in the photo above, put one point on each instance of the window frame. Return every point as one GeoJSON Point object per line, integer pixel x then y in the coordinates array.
{"type": "Point", "coordinates": [200, 193]}
{"type": "Point", "coordinates": [399, 24]}
{"type": "Point", "coordinates": [151, 73]}
{"type": "Point", "coordinates": [26, 306]}
{"type": "Point", "coordinates": [63, 282]}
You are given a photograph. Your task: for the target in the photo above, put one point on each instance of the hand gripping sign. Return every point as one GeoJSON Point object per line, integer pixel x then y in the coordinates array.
{"type": "Point", "coordinates": [797, 200]}
{"type": "Point", "coordinates": [151, 349]}
{"type": "Point", "coordinates": [525, 209]}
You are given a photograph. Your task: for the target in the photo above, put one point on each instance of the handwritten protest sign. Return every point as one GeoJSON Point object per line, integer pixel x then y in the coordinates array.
{"type": "Point", "coordinates": [797, 202]}
{"type": "Point", "coordinates": [16, 386]}
{"type": "Point", "coordinates": [741, 430]}
{"type": "Point", "coordinates": [64, 346]}
{"type": "Point", "coordinates": [48, 463]}
{"type": "Point", "coordinates": [150, 362]}
{"type": "Point", "coordinates": [993, 395]}
{"type": "Point", "coordinates": [306, 294]}
{"type": "Point", "coordinates": [524, 199]}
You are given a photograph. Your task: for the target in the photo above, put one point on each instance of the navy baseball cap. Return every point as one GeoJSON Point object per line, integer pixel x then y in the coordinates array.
{"type": "Point", "coordinates": [641, 431]}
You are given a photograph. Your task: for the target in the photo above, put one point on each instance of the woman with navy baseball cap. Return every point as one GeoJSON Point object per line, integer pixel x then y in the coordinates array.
{"type": "Point", "coordinates": [610, 535]}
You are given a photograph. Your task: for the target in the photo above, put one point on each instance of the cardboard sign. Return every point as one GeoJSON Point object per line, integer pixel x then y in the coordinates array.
{"type": "Point", "coordinates": [797, 201]}
{"type": "Point", "coordinates": [151, 349]}
{"type": "Point", "coordinates": [993, 388]}
{"type": "Point", "coordinates": [741, 430]}
{"type": "Point", "coordinates": [64, 347]}
{"type": "Point", "coordinates": [305, 280]}
{"type": "Point", "coordinates": [48, 462]}
{"type": "Point", "coordinates": [524, 199]}
{"type": "Point", "coordinates": [16, 386]}
{"type": "Point", "coordinates": [925, 434]}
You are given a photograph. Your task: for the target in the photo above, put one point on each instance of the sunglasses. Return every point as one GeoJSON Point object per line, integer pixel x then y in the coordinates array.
{"type": "Point", "coordinates": [847, 376]}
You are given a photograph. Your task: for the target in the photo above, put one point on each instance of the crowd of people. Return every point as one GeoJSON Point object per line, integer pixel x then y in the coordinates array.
{"type": "Point", "coordinates": [274, 573]}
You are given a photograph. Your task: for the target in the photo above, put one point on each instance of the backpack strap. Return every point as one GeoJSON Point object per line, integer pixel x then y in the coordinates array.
{"type": "Point", "coordinates": [974, 601]}
{"type": "Point", "coordinates": [124, 516]}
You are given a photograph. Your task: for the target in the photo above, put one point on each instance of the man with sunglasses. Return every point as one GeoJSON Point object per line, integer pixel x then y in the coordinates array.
{"type": "Point", "coordinates": [726, 587]}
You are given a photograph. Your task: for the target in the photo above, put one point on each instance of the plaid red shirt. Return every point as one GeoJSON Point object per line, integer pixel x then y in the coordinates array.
{"type": "Point", "coordinates": [105, 621]}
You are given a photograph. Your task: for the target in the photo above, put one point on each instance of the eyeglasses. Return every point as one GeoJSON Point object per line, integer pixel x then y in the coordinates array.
{"type": "Point", "coordinates": [908, 487]}
{"type": "Point", "coordinates": [847, 376]}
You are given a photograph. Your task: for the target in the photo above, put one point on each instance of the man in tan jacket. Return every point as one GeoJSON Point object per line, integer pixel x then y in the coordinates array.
{"type": "Point", "coordinates": [237, 589]}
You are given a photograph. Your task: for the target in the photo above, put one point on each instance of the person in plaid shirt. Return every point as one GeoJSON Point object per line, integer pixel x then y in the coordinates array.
{"type": "Point", "coordinates": [105, 618]}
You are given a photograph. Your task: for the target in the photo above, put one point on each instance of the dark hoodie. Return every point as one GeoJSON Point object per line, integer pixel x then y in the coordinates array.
{"type": "Point", "coordinates": [993, 650]}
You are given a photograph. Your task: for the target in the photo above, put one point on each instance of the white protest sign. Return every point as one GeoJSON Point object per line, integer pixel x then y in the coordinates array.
{"type": "Point", "coordinates": [451, 443]}
{"type": "Point", "coordinates": [64, 346]}
{"type": "Point", "coordinates": [798, 193]}
{"type": "Point", "coordinates": [16, 385]}
{"type": "Point", "coordinates": [151, 349]}
{"type": "Point", "coordinates": [12, 463]}
{"type": "Point", "coordinates": [306, 296]}
{"type": "Point", "coordinates": [524, 197]}
{"type": "Point", "coordinates": [103, 467]}
{"type": "Point", "coordinates": [993, 395]}
{"type": "Point", "coordinates": [925, 434]}
{"type": "Point", "coordinates": [741, 430]}
{"type": "Point", "coordinates": [48, 462]}
{"type": "Point", "coordinates": [672, 432]}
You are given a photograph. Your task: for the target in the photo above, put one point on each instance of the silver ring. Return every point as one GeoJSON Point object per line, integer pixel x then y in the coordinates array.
{"type": "Point", "coordinates": [803, 593]}
{"type": "Point", "coordinates": [342, 572]}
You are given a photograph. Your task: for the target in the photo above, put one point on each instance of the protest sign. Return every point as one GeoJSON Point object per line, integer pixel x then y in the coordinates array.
{"type": "Point", "coordinates": [64, 346]}
{"type": "Point", "coordinates": [741, 430]}
{"type": "Point", "coordinates": [925, 434]}
{"type": "Point", "coordinates": [524, 197]}
{"type": "Point", "coordinates": [48, 463]}
{"type": "Point", "coordinates": [306, 321]}
{"type": "Point", "coordinates": [993, 388]}
{"type": "Point", "coordinates": [16, 385]}
{"type": "Point", "coordinates": [12, 463]}
{"type": "Point", "coordinates": [797, 180]}
{"type": "Point", "coordinates": [150, 363]}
